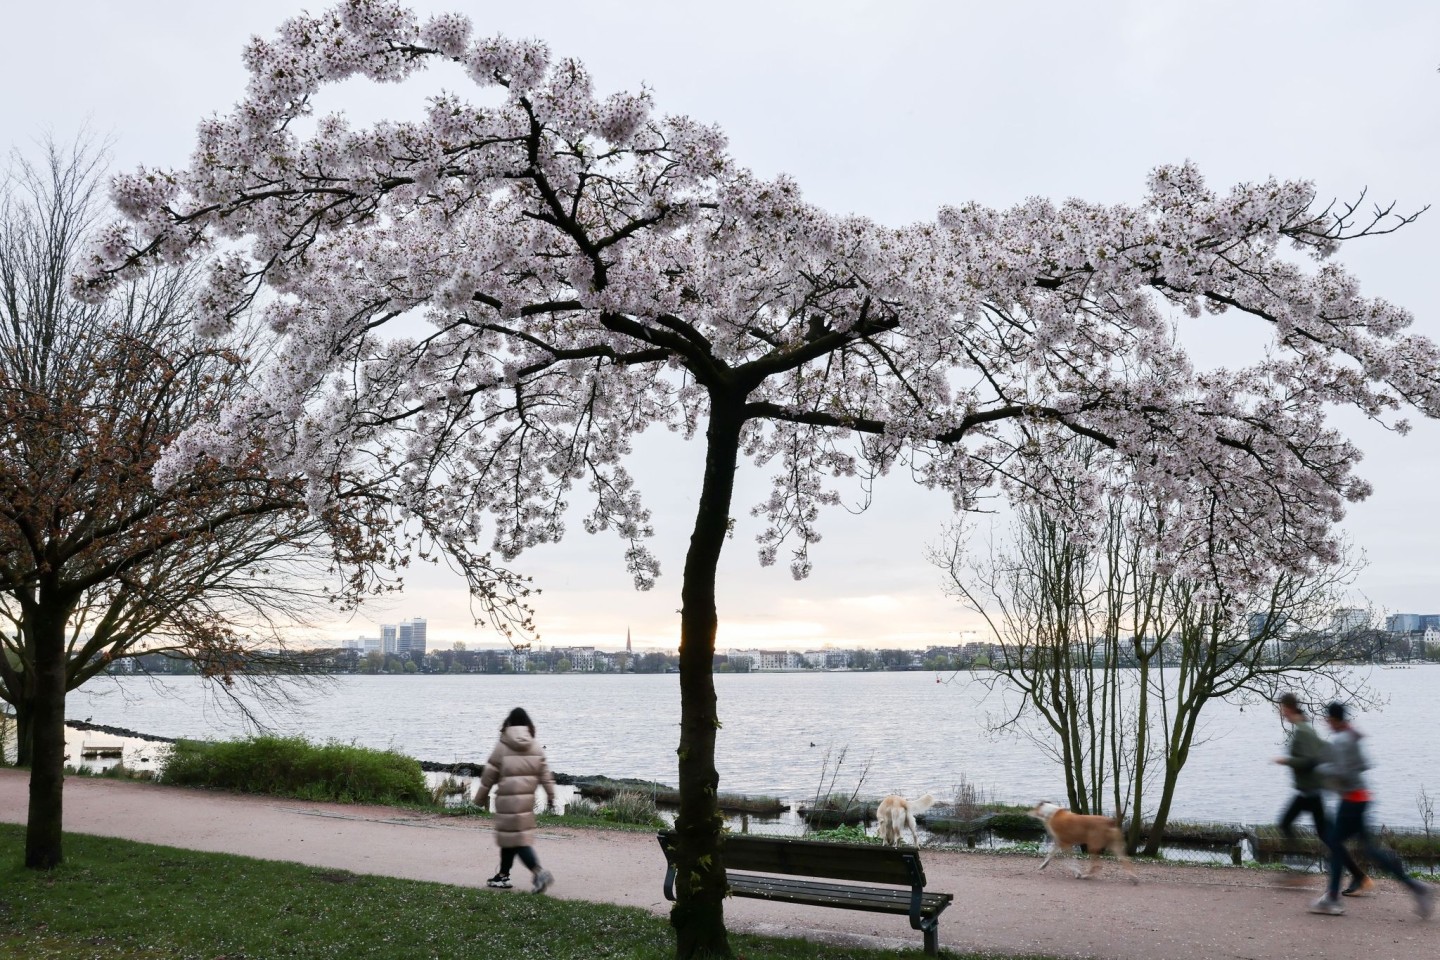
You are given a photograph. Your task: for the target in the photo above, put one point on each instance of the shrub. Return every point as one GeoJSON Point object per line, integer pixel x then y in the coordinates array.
{"type": "Point", "coordinates": [628, 807]}
{"type": "Point", "coordinates": [580, 807]}
{"type": "Point", "coordinates": [295, 767]}
{"type": "Point", "coordinates": [855, 834]}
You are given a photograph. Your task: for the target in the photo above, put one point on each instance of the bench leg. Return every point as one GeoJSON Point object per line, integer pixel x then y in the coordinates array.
{"type": "Point", "coordinates": [932, 938]}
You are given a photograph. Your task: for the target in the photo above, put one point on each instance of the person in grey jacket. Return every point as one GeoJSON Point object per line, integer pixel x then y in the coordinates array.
{"type": "Point", "coordinates": [1344, 772]}
{"type": "Point", "coordinates": [1307, 752]}
{"type": "Point", "coordinates": [517, 768]}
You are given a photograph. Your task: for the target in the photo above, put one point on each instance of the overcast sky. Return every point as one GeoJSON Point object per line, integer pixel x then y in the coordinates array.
{"type": "Point", "coordinates": [887, 109]}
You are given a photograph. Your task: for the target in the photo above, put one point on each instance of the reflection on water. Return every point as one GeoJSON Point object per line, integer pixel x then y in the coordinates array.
{"type": "Point", "coordinates": [903, 732]}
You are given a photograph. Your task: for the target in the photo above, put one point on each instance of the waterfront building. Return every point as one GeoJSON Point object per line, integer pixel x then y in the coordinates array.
{"type": "Point", "coordinates": [410, 638]}
{"type": "Point", "coordinates": [1412, 622]}
{"type": "Point", "coordinates": [743, 659]}
{"type": "Point", "coordinates": [388, 638]}
{"type": "Point", "coordinates": [1349, 619]}
{"type": "Point", "coordinates": [827, 659]}
{"type": "Point", "coordinates": [582, 659]}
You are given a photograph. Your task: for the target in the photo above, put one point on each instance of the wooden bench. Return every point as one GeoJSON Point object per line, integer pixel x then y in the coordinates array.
{"type": "Point", "coordinates": [748, 857]}
{"type": "Point", "coordinates": [90, 748]}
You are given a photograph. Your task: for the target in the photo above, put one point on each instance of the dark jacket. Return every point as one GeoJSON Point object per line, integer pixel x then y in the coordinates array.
{"type": "Point", "coordinates": [1307, 753]}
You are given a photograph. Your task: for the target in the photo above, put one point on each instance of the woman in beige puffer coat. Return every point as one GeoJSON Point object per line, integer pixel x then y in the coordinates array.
{"type": "Point", "coordinates": [517, 766]}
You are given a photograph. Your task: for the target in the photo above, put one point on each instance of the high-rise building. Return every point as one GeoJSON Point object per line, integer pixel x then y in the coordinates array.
{"type": "Point", "coordinates": [410, 637]}
{"type": "Point", "coordinates": [388, 638]}
{"type": "Point", "coordinates": [1412, 622]}
{"type": "Point", "coordinates": [1348, 619]}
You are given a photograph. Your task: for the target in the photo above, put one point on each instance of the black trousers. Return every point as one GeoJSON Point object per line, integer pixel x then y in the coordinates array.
{"type": "Point", "coordinates": [526, 855]}
{"type": "Point", "coordinates": [1350, 822]}
{"type": "Point", "coordinates": [1314, 804]}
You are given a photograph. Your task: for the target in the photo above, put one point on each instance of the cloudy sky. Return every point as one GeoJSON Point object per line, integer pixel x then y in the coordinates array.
{"type": "Point", "coordinates": [887, 109]}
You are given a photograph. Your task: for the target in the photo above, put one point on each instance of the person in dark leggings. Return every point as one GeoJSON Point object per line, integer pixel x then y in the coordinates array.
{"type": "Point", "coordinates": [516, 769]}
{"type": "Point", "coordinates": [1345, 772]}
{"type": "Point", "coordinates": [1307, 752]}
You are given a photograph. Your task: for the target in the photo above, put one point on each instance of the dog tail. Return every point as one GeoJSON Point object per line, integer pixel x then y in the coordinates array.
{"type": "Point", "coordinates": [923, 804]}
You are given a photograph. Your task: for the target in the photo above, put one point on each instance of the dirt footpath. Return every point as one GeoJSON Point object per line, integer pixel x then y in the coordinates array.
{"type": "Point", "coordinates": [1002, 904]}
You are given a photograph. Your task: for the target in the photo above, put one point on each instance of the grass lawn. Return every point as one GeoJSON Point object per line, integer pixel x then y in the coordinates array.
{"type": "Point", "coordinates": [118, 899]}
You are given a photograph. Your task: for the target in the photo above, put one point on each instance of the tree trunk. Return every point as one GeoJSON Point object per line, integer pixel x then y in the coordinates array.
{"type": "Point", "coordinates": [47, 733]}
{"type": "Point", "coordinates": [1162, 812]}
{"type": "Point", "coordinates": [24, 734]}
{"type": "Point", "coordinates": [699, 913]}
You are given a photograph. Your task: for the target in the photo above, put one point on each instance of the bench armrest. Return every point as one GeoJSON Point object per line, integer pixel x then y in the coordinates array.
{"type": "Point", "coordinates": [665, 838]}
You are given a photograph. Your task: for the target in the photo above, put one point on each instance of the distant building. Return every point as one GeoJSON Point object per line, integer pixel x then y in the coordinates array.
{"type": "Point", "coordinates": [744, 659]}
{"type": "Point", "coordinates": [388, 638]}
{"type": "Point", "coordinates": [1349, 619]}
{"type": "Point", "coordinates": [582, 659]}
{"type": "Point", "coordinates": [827, 659]}
{"type": "Point", "coordinates": [1412, 622]}
{"type": "Point", "coordinates": [410, 638]}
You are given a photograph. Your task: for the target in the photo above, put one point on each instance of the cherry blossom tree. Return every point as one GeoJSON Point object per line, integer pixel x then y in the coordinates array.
{"type": "Point", "coordinates": [491, 299]}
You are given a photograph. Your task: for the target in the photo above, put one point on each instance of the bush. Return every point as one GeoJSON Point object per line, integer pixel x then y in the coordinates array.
{"type": "Point", "coordinates": [843, 835]}
{"type": "Point", "coordinates": [295, 767]}
{"type": "Point", "coordinates": [630, 807]}
{"type": "Point", "coordinates": [580, 807]}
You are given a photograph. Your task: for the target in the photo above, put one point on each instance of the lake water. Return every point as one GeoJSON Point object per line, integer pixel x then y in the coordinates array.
{"type": "Point", "coordinates": [917, 735]}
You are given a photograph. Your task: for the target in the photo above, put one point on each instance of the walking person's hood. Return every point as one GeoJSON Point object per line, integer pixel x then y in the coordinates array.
{"type": "Point", "coordinates": [518, 739]}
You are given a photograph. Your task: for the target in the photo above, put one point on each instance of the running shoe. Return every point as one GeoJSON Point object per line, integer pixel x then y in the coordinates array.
{"type": "Point", "coordinates": [1327, 905]}
{"type": "Point", "coordinates": [1359, 887]}
{"type": "Point", "coordinates": [501, 881]}
{"type": "Point", "coordinates": [543, 879]}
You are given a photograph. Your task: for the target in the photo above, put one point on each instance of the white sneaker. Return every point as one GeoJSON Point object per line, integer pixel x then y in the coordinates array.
{"type": "Point", "coordinates": [543, 879]}
{"type": "Point", "coordinates": [1327, 905]}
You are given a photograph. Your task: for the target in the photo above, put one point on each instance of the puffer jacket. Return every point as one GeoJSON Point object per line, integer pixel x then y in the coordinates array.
{"type": "Point", "coordinates": [516, 767]}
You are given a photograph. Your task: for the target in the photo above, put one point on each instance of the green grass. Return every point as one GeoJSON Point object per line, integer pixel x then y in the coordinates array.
{"type": "Point", "coordinates": [295, 767]}
{"type": "Point", "coordinates": [117, 900]}
{"type": "Point", "coordinates": [843, 834]}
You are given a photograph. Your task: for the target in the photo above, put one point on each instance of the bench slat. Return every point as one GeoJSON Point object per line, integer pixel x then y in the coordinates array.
{"type": "Point", "coordinates": [864, 863]}
{"type": "Point", "coordinates": [872, 899]}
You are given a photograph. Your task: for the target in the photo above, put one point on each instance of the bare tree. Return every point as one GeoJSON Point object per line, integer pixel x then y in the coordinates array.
{"type": "Point", "coordinates": [1110, 657]}
{"type": "Point", "coordinates": [96, 563]}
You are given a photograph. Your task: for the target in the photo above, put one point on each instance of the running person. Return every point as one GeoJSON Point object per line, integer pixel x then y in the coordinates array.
{"type": "Point", "coordinates": [1345, 771]}
{"type": "Point", "coordinates": [1307, 752]}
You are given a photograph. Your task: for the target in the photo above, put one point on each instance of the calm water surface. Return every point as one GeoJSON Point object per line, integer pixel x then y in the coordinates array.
{"type": "Point", "coordinates": [917, 735]}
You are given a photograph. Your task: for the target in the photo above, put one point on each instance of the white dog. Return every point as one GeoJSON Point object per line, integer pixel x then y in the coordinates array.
{"type": "Point", "coordinates": [895, 814]}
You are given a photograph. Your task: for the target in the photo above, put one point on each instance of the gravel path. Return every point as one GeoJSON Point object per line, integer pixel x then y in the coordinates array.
{"type": "Point", "coordinates": [1003, 905]}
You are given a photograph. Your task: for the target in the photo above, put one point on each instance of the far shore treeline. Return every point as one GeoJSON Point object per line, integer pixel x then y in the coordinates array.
{"type": "Point", "coordinates": [1365, 647]}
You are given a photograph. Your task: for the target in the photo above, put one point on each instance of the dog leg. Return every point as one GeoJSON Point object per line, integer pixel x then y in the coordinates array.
{"type": "Point", "coordinates": [1125, 864]}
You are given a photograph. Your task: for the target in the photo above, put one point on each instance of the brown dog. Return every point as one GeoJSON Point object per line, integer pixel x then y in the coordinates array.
{"type": "Point", "coordinates": [1068, 830]}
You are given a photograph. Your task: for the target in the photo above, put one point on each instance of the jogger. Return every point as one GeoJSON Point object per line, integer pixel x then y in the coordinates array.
{"type": "Point", "coordinates": [1307, 752]}
{"type": "Point", "coordinates": [1344, 771]}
